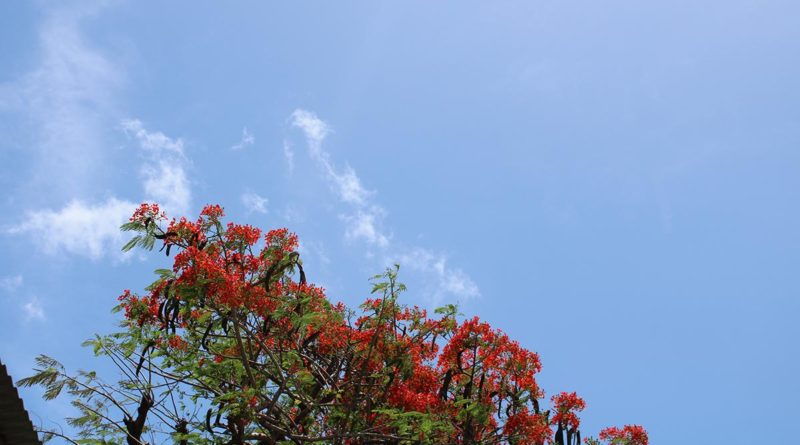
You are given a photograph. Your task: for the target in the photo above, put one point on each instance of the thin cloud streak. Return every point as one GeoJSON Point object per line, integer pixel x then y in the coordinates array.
{"type": "Point", "coordinates": [11, 283]}
{"type": "Point", "coordinates": [247, 140]}
{"type": "Point", "coordinates": [288, 153]}
{"type": "Point", "coordinates": [345, 182]}
{"type": "Point", "coordinates": [364, 220]}
{"type": "Point", "coordinates": [432, 265]}
{"type": "Point", "coordinates": [70, 99]}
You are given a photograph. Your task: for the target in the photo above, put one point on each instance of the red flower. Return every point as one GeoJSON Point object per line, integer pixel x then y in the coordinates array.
{"type": "Point", "coordinates": [566, 405]}
{"type": "Point", "coordinates": [628, 435]}
{"type": "Point", "coordinates": [469, 381]}
{"type": "Point", "coordinates": [212, 211]}
{"type": "Point", "coordinates": [176, 342]}
{"type": "Point", "coordinates": [147, 211]}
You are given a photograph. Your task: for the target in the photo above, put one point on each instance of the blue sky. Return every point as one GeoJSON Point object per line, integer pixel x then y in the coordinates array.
{"type": "Point", "coordinates": [615, 184]}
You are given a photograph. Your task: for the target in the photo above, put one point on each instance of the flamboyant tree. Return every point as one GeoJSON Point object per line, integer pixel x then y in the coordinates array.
{"type": "Point", "coordinates": [232, 345]}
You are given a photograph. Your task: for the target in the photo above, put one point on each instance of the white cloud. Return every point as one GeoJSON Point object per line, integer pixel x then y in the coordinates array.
{"type": "Point", "coordinates": [152, 141]}
{"type": "Point", "coordinates": [33, 310]}
{"type": "Point", "coordinates": [456, 282]}
{"type": "Point", "coordinates": [79, 228]}
{"type": "Point", "coordinates": [69, 98]}
{"type": "Point", "coordinates": [92, 229]}
{"type": "Point", "coordinates": [254, 203]}
{"type": "Point", "coordinates": [448, 281]}
{"type": "Point", "coordinates": [164, 176]}
{"type": "Point", "coordinates": [315, 129]}
{"type": "Point", "coordinates": [247, 140]}
{"type": "Point", "coordinates": [288, 153]}
{"type": "Point", "coordinates": [362, 226]}
{"type": "Point", "coordinates": [11, 283]}
{"type": "Point", "coordinates": [345, 182]}
{"type": "Point", "coordinates": [349, 186]}
{"type": "Point", "coordinates": [364, 220]}
{"type": "Point", "coordinates": [166, 183]}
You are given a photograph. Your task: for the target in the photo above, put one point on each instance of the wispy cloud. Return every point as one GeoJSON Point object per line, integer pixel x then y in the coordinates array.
{"type": "Point", "coordinates": [69, 98]}
{"type": "Point", "coordinates": [33, 310]}
{"type": "Point", "coordinates": [361, 225]}
{"type": "Point", "coordinates": [247, 140]}
{"type": "Point", "coordinates": [92, 229]}
{"type": "Point", "coordinates": [11, 283]}
{"type": "Point", "coordinates": [314, 128]}
{"type": "Point", "coordinates": [152, 141]}
{"type": "Point", "coordinates": [448, 280]}
{"type": "Point", "coordinates": [89, 230]}
{"type": "Point", "coordinates": [254, 202]}
{"type": "Point", "coordinates": [364, 219]}
{"type": "Point", "coordinates": [288, 153]}
{"type": "Point", "coordinates": [344, 181]}
{"type": "Point", "coordinates": [164, 173]}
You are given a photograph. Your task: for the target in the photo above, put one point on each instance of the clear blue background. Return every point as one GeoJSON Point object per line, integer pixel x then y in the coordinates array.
{"type": "Point", "coordinates": [615, 184]}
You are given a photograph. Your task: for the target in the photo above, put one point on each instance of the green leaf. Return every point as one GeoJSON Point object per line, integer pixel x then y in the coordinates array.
{"type": "Point", "coordinates": [132, 243]}
{"type": "Point", "coordinates": [132, 226]}
{"type": "Point", "coordinates": [148, 242]}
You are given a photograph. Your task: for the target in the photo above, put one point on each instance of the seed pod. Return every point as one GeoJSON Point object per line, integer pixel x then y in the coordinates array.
{"type": "Point", "coordinates": [219, 412]}
{"type": "Point", "coordinates": [445, 384]}
{"type": "Point", "coordinates": [208, 421]}
{"type": "Point", "coordinates": [175, 316]}
{"type": "Point", "coordinates": [204, 341]}
{"type": "Point", "coordinates": [149, 345]}
{"type": "Point", "coordinates": [161, 311]}
{"type": "Point", "coordinates": [559, 437]}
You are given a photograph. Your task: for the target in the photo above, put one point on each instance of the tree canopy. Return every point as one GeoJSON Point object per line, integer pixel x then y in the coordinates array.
{"type": "Point", "coordinates": [232, 345]}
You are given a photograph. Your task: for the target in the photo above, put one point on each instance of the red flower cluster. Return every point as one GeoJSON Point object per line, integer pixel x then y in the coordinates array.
{"type": "Point", "coordinates": [147, 211]}
{"type": "Point", "coordinates": [176, 342]}
{"type": "Point", "coordinates": [321, 368]}
{"type": "Point", "coordinates": [628, 435]}
{"type": "Point", "coordinates": [212, 211]}
{"type": "Point", "coordinates": [141, 309]}
{"type": "Point", "coordinates": [566, 405]}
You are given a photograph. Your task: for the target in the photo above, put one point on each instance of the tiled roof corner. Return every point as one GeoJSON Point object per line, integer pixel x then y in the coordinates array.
{"type": "Point", "coordinates": [15, 425]}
